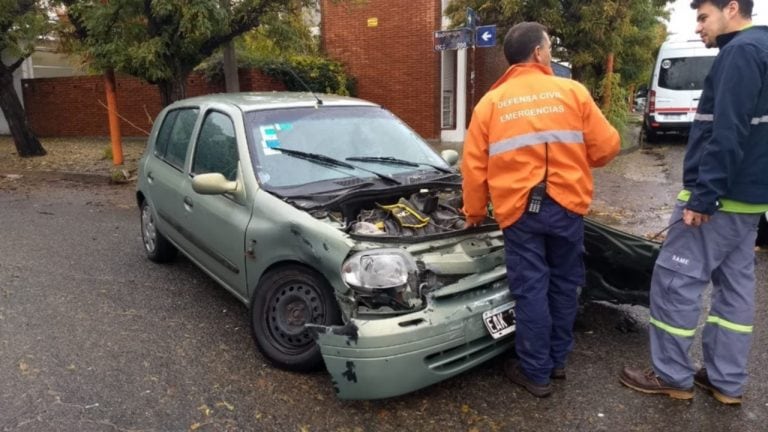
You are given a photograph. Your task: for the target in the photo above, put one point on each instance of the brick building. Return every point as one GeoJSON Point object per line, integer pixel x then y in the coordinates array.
{"type": "Point", "coordinates": [388, 46]}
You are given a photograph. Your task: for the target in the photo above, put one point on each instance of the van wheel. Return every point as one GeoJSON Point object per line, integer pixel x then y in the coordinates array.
{"type": "Point", "coordinates": [650, 136]}
{"type": "Point", "coordinates": [285, 300]}
{"type": "Point", "coordinates": [762, 232]}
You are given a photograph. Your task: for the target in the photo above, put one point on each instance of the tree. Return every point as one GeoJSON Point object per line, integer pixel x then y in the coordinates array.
{"type": "Point", "coordinates": [584, 32]}
{"type": "Point", "coordinates": [21, 23]}
{"type": "Point", "coordinates": [162, 41]}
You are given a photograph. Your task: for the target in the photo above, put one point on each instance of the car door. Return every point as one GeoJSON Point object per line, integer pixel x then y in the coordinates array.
{"type": "Point", "coordinates": [166, 175]}
{"type": "Point", "coordinates": [216, 224]}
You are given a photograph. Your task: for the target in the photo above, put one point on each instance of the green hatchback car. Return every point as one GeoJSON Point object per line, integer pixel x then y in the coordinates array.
{"type": "Point", "coordinates": [341, 230]}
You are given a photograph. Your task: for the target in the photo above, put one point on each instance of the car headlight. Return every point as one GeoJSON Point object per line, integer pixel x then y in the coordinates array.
{"type": "Point", "coordinates": [379, 269]}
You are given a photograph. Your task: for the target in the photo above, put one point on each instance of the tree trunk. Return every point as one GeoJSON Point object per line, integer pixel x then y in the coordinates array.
{"type": "Point", "coordinates": [26, 143]}
{"type": "Point", "coordinates": [608, 82]}
{"type": "Point", "coordinates": [173, 90]}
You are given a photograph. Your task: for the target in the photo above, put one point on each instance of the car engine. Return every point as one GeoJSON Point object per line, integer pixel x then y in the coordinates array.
{"type": "Point", "coordinates": [422, 213]}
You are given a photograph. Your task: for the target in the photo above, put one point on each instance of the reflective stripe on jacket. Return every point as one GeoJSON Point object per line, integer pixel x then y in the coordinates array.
{"type": "Point", "coordinates": [504, 151]}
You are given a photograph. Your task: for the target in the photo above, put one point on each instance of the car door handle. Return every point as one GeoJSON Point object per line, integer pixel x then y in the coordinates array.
{"type": "Point", "coordinates": [150, 178]}
{"type": "Point", "coordinates": [188, 203]}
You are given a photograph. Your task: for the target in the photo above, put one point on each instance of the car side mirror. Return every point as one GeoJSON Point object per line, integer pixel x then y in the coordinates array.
{"type": "Point", "coordinates": [213, 184]}
{"type": "Point", "coordinates": [451, 156]}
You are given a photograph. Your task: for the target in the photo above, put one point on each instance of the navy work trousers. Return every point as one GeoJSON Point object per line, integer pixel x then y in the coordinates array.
{"type": "Point", "coordinates": [545, 268]}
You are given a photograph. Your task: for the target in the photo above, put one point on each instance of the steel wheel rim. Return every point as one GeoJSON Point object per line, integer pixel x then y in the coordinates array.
{"type": "Point", "coordinates": [148, 229]}
{"type": "Point", "coordinates": [290, 306]}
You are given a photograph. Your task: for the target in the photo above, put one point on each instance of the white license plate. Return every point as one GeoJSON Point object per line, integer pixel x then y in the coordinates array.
{"type": "Point", "coordinates": [500, 321]}
{"type": "Point", "coordinates": [674, 116]}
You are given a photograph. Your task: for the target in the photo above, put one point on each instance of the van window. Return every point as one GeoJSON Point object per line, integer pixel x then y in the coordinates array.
{"type": "Point", "coordinates": [685, 73]}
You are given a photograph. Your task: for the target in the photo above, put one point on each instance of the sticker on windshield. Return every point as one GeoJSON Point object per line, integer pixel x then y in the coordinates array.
{"type": "Point", "coordinates": [666, 63]}
{"type": "Point", "coordinates": [269, 139]}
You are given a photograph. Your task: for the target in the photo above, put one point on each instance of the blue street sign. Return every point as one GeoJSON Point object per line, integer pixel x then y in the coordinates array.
{"type": "Point", "coordinates": [471, 18]}
{"type": "Point", "coordinates": [485, 36]}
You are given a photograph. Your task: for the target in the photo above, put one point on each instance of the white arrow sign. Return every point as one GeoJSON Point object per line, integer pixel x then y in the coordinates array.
{"type": "Point", "coordinates": [486, 36]}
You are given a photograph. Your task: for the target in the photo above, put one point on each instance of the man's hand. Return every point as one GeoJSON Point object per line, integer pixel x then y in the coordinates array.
{"type": "Point", "coordinates": [694, 219]}
{"type": "Point", "coordinates": [468, 224]}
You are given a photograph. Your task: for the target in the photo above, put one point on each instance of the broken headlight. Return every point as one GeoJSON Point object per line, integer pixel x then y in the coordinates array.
{"type": "Point", "coordinates": [383, 278]}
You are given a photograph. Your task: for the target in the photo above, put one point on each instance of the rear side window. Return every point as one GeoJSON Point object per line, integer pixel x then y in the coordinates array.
{"type": "Point", "coordinates": [216, 150]}
{"type": "Point", "coordinates": [173, 138]}
{"type": "Point", "coordinates": [684, 73]}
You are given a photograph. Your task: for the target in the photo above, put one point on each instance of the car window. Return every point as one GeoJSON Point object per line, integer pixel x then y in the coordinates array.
{"type": "Point", "coordinates": [684, 73]}
{"type": "Point", "coordinates": [173, 138]}
{"type": "Point", "coordinates": [216, 149]}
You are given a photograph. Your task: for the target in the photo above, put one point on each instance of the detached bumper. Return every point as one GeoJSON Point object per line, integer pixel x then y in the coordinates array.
{"type": "Point", "coordinates": [380, 358]}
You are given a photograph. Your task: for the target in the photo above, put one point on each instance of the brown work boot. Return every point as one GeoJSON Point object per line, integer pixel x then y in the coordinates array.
{"type": "Point", "coordinates": [646, 381]}
{"type": "Point", "coordinates": [701, 379]}
{"type": "Point", "coordinates": [558, 373]}
{"type": "Point", "coordinates": [515, 374]}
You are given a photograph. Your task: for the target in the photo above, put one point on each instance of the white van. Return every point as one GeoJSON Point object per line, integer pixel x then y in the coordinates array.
{"type": "Point", "coordinates": [676, 84]}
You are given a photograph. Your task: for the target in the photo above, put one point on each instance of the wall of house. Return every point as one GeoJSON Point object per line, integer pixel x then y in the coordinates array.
{"type": "Point", "coordinates": [387, 45]}
{"type": "Point", "coordinates": [75, 106]}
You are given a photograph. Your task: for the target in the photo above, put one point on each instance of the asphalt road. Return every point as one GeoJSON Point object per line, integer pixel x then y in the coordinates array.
{"type": "Point", "coordinates": [94, 337]}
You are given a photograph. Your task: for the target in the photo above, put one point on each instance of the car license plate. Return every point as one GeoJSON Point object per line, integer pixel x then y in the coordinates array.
{"type": "Point", "coordinates": [674, 116]}
{"type": "Point", "coordinates": [500, 321]}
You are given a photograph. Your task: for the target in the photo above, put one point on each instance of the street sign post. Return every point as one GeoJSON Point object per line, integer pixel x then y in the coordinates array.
{"type": "Point", "coordinates": [485, 36]}
{"type": "Point", "coordinates": [453, 39]}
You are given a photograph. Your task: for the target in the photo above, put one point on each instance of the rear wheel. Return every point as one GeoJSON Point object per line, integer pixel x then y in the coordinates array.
{"type": "Point", "coordinates": [650, 135]}
{"type": "Point", "coordinates": [762, 232]}
{"type": "Point", "coordinates": [286, 299]}
{"type": "Point", "coordinates": [157, 247]}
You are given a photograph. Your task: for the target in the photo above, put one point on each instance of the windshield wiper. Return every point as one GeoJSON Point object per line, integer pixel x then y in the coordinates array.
{"type": "Point", "coordinates": [329, 161]}
{"type": "Point", "coordinates": [395, 161]}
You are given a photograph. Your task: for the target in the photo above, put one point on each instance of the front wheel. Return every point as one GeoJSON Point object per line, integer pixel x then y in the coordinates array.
{"type": "Point", "coordinates": [286, 299]}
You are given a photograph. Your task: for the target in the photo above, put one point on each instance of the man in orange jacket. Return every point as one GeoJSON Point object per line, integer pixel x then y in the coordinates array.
{"type": "Point", "coordinates": [530, 145]}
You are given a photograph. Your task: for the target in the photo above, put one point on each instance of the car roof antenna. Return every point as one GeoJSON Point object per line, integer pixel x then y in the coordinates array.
{"type": "Point", "coordinates": [295, 75]}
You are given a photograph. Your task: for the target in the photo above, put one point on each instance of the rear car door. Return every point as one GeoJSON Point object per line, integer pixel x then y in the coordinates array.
{"type": "Point", "coordinates": [216, 224]}
{"type": "Point", "coordinates": [166, 173]}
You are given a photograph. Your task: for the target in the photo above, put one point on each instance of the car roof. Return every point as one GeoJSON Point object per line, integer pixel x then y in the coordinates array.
{"type": "Point", "coordinates": [253, 101]}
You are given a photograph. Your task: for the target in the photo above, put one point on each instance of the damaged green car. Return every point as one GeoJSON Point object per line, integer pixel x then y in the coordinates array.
{"type": "Point", "coordinates": [341, 230]}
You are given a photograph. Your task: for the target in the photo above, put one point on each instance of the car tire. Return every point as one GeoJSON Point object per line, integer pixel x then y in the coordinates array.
{"type": "Point", "coordinates": [651, 136]}
{"type": "Point", "coordinates": [156, 246]}
{"type": "Point", "coordinates": [280, 307]}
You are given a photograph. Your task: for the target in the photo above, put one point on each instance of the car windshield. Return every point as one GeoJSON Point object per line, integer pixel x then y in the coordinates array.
{"type": "Point", "coordinates": [338, 133]}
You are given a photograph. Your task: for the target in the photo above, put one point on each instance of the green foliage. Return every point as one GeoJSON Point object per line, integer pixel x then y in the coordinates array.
{"type": "Point", "coordinates": [162, 41]}
{"type": "Point", "coordinates": [584, 31]}
{"type": "Point", "coordinates": [617, 111]}
{"type": "Point", "coordinates": [283, 46]}
{"type": "Point", "coordinates": [320, 74]}
{"type": "Point", "coordinates": [21, 23]}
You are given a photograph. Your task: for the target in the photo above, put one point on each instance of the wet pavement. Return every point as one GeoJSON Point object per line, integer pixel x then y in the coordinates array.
{"type": "Point", "coordinates": [93, 337]}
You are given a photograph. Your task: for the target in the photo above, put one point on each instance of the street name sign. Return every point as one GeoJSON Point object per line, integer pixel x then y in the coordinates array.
{"type": "Point", "coordinates": [453, 39]}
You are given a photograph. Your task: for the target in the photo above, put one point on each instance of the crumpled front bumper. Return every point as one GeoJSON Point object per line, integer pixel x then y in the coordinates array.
{"type": "Point", "coordinates": [385, 357]}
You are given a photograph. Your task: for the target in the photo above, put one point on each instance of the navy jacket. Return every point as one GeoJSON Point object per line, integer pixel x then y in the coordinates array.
{"type": "Point", "coordinates": [727, 154]}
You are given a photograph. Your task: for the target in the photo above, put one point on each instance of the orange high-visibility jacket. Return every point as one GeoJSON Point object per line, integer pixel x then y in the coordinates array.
{"type": "Point", "coordinates": [505, 154]}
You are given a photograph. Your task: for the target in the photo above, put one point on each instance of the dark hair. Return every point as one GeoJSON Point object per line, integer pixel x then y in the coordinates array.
{"type": "Point", "coordinates": [521, 40]}
{"type": "Point", "coordinates": [745, 6]}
